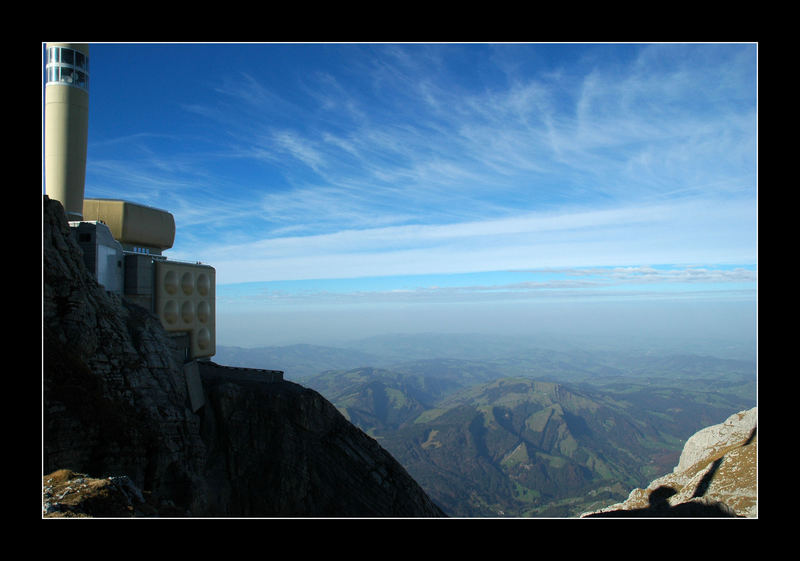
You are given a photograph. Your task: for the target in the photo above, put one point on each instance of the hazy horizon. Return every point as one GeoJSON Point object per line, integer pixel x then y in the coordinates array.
{"type": "Point", "coordinates": [603, 191]}
{"type": "Point", "coordinates": [725, 329]}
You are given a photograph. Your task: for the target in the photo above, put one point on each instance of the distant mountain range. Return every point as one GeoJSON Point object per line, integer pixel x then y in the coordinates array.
{"type": "Point", "coordinates": [500, 426]}
{"type": "Point", "coordinates": [296, 361]}
{"type": "Point", "coordinates": [546, 357]}
{"type": "Point", "coordinates": [487, 446]}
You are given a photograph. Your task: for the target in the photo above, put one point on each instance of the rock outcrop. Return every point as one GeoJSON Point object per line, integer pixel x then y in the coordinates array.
{"type": "Point", "coordinates": [118, 416]}
{"type": "Point", "coordinates": [717, 475]}
{"type": "Point", "coordinates": [67, 494]}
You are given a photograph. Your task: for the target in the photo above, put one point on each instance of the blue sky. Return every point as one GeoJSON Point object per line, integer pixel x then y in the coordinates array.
{"type": "Point", "coordinates": [345, 189]}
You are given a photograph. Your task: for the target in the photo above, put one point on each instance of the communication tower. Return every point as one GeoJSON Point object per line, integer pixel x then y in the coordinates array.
{"type": "Point", "coordinates": [66, 124]}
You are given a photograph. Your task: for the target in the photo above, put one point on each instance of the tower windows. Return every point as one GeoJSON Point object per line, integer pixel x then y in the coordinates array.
{"type": "Point", "coordinates": [67, 66]}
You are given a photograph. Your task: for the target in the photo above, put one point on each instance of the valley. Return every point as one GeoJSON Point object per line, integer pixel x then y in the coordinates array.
{"type": "Point", "coordinates": [511, 430]}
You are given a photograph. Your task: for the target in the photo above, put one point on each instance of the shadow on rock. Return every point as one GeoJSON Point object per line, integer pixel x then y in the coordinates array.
{"type": "Point", "coordinates": [659, 507]}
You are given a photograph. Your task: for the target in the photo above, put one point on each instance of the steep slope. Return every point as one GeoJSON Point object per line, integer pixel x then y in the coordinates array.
{"type": "Point", "coordinates": [114, 397]}
{"type": "Point", "coordinates": [717, 475]}
{"type": "Point", "coordinates": [283, 449]}
{"type": "Point", "coordinates": [116, 404]}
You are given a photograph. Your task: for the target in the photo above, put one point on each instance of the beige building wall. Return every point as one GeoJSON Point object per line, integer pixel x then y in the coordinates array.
{"type": "Point", "coordinates": [133, 224]}
{"type": "Point", "coordinates": [184, 300]}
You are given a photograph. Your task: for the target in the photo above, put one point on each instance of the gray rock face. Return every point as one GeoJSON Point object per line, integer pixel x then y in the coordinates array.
{"type": "Point", "coordinates": [114, 396]}
{"type": "Point", "coordinates": [717, 475]}
{"type": "Point", "coordinates": [116, 403]}
{"type": "Point", "coordinates": [712, 441]}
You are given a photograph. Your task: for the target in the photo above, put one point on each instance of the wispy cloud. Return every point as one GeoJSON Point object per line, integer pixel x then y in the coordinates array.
{"type": "Point", "coordinates": [399, 159]}
{"type": "Point", "coordinates": [688, 233]}
{"type": "Point", "coordinates": [576, 284]}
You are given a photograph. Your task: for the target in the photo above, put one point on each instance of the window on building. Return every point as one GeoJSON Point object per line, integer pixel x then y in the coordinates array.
{"type": "Point", "coordinates": [67, 66]}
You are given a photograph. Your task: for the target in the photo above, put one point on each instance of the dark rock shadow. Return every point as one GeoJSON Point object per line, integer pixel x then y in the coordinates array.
{"type": "Point", "coordinates": [751, 437]}
{"type": "Point", "coordinates": [696, 507]}
{"type": "Point", "coordinates": [659, 507]}
{"type": "Point", "coordinates": [702, 487]}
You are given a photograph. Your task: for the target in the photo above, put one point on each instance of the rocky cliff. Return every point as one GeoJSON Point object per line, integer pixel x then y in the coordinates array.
{"type": "Point", "coordinates": [122, 437]}
{"type": "Point", "coordinates": [717, 475]}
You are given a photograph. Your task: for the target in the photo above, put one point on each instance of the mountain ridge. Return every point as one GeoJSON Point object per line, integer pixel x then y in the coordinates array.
{"type": "Point", "coordinates": [468, 438]}
{"type": "Point", "coordinates": [301, 360]}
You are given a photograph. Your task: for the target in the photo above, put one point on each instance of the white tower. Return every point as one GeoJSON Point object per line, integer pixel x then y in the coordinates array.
{"type": "Point", "coordinates": [66, 126]}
